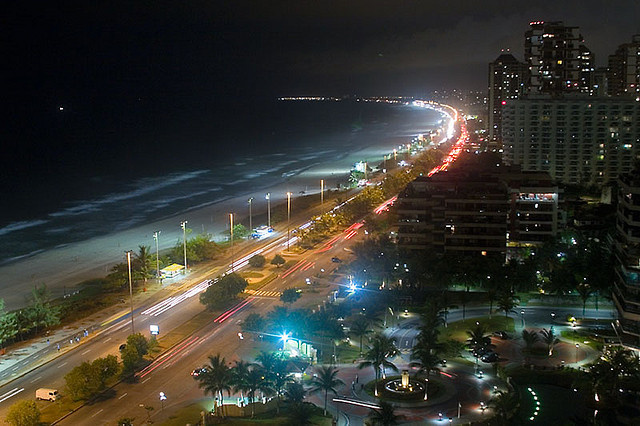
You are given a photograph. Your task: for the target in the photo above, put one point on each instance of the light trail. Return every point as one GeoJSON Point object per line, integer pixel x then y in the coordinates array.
{"type": "Point", "coordinates": [225, 315]}
{"type": "Point", "coordinates": [167, 356]}
{"type": "Point", "coordinates": [357, 402]}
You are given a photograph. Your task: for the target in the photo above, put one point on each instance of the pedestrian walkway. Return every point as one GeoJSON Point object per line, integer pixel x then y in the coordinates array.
{"type": "Point", "coordinates": [263, 293]}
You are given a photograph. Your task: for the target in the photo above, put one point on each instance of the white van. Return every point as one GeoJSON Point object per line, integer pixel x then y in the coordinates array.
{"type": "Point", "coordinates": [48, 394]}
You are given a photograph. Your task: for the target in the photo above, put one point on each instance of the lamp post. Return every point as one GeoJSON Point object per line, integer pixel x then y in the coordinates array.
{"type": "Point", "coordinates": [268, 198]}
{"type": "Point", "coordinates": [288, 218]}
{"type": "Point", "coordinates": [130, 287]}
{"type": "Point", "coordinates": [231, 230]}
{"type": "Point", "coordinates": [183, 225]}
{"type": "Point", "coordinates": [522, 314]}
{"type": "Point", "coordinates": [322, 195]}
{"type": "Point", "coordinates": [250, 216]}
{"type": "Point", "coordinates": [155, 237]}
{"type": "Point", "coordinates": [577, 346]}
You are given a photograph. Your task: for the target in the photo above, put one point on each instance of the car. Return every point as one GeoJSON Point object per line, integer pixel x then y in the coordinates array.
{"type": "Point", "coordinates": [501, 334]}
{"type": "Point", "coordinates": [122, 347]}
{"type": "Point", "coordinates": [198, 371]}
{"type": "Point", "coordinates": [490, 356]}
{"type": "Point", "coordinates": [336, 260]}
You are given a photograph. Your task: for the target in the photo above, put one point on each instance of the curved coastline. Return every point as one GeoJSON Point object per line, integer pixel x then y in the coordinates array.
{"type": "Point", "coordinates": [70, 263]}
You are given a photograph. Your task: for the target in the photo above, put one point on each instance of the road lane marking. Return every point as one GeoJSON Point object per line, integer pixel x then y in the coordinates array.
{"type": "Point", "coordinates": [86, 352]}
{"type": "Point", "coordinates": [146, 380]}
{"type": "Point", "coordinates": [10, 394]}
{"type": "Point", "coordinates": [107, 340]}
{"type": "Point", "coordinates": [62, 365]}
{"type": "Point", "coordinates": [98, 412]}
{"type": "Point", "coordinates": [36, 379]}
{"type": "Point", "coordinates": [123, 395]}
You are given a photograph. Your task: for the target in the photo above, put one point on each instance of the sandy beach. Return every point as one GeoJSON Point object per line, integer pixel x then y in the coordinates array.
{"type": "Point", "coordinates": [62, 268]}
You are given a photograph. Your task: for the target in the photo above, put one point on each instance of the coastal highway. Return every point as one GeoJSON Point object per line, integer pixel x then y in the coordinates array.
{"type": "Point", "coordinates": [170, 374]}
{"type": "Point", "coordinates": [168, 309]}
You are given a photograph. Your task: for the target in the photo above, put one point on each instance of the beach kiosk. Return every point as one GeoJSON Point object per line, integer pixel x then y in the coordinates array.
{"type": "Point", "coordinates": [171, 270]}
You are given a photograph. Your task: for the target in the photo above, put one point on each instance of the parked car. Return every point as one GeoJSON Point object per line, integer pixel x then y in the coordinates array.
{"type": "Point", "coordinates": [336, 260]}
{"type": "Point", "coordinates": [490, 357]}
{"type": "Point", "coordinates": [199, 371]}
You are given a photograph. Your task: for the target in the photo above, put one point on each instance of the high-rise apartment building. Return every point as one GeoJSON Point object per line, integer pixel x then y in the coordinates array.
{"type": "Point", "coordinates": [576, 139]}
{"type": "Point", "coordinates": [557, 58]}
{"type": "Point", "coordinates": [624, 69]}
{"type": "Point", "coordinates": [626, 288]}
{"type": "Point", "coordinates": [507, 77]}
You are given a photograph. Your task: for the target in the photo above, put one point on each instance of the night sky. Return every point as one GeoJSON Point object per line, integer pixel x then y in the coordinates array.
{"type": "Point", "coordinates": [104, 59]}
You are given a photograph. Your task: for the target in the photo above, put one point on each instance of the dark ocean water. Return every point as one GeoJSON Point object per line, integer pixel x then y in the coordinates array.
{"type": "Point", "coordinates": [93, 176]}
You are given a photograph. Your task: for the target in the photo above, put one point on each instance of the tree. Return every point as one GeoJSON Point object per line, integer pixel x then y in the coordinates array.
{"type": "Point", "coordinates": [478, 340]}
{"type": "Point", "coordinates": [360, 327]}
{"type": "Point", "coordinates": [530, 338]}
{"type": "Point", "coordinates": [216, 379]}
{"type": "Point", "coordinates": [505, 405]}
{"type": "Point", "coordinates": [383, 416]}
{"type": "Point", "coordinates": [278, 260]}
{"type": "Point", "coordinates": [39, 313]}
{"type": "Point", "coordinates": [239, 374]}
{"type": "Point", "coordinates": [617, 368]}
{"type": "Point", "coordinates": [290, 295]}
{"type": "Point", "coordinates": [142, 264]}
{"type": "Point", "coordinates": [295, 393]}
{"type": "Point", "coordinates": [126, 421]}
{"type": "Point", "coordinates": [223, 291]}
{"type": "Point", "coordinates": [253, 323]}
{"type": "Point", "coordinates": [276, 372]}
{"type": "Point", "coordinates": [8, 327]}
{"type": "Point", "coordinates": [257, 261]}
{"type": "Point", "coordinates": [426, 360]}
{"type": "Point", "coordinates": [507, 301]}
{"type": "Point", "coordinates": [89, 378]}
{"type": "Point", "coordinates": [256, 382]}
{"type": "Point", "coordinates": [382, 348]}
{"type": "Point", "coordinates": [240, 231]}
{"type": "Point", "coordinates": [585, 291]}
{"type": "Point", "coordinates": [549, 338]}
{"type": "Point", "coordinates": [23, 413]}
{"type": "Point", "coordinates": [326, 380]}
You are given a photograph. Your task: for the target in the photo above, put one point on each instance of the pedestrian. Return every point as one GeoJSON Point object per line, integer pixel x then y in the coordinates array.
{"type": "Point", "coordinates": [47, 341]}
{"type": "Point", "coordinates": [58, 346]}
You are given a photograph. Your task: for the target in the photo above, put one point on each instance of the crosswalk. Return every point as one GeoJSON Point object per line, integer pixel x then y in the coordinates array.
{"type": "Point", "coordinates": [263, 293]}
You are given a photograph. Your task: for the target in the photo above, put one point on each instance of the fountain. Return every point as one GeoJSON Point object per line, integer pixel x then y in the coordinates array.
{"type": "Point", "coordinates": [405, 385]}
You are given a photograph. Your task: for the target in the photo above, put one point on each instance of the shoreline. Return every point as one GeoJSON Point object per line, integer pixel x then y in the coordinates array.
{"type": "Point", "coordinates": [64, 267]}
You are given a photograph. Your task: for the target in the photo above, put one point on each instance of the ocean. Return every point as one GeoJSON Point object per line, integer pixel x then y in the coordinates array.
{"type": "Point", "coordinates": [97, 177]}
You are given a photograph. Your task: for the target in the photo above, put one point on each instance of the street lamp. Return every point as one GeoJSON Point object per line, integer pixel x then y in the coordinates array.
{"type": "Point", "coordinates": [577, 346]}
{"type": "Point", "coordinates": [231, 231]}
{"type": "Point", "coordinates": [155, 237]}
{"type": "Point", "coordinates": [130, 287]}
{"type": "Point", "coordinates": [268, 198]}
{"type": "Point", "coordinates": [183, 225]}
{"type": "Point", "coordinates": [322, 195]}
{"type": "Point", "coordinates": [250, 216]}
{"type": "Point", "coordinates": [522, 315]}
{"type": "Point", "coordinates": [288, 218]}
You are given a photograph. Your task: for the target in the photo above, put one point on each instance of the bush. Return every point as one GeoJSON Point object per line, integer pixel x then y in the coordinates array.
{"type": "Point", "coordinates": [23, 413]}
{"type": "Point", "coordinates": [257, 261]}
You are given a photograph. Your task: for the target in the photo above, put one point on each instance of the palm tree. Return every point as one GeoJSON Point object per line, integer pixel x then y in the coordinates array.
{"type": "Point", "coordinates": [616, 369]}
{"type": "Point", "coordinates": [255, 382]}
{"type": "Point", "coordinates": [507, 301]}
{"type": "Point", "coordinates": [142, 263]}
{"type": "Point", "coordinates": [585, 291]}
{"type": "Point", "coordinates": [239, 373]}
{"type": "Point", "coordinates": [295, 393]}
{"type": "Point", "coordinates": [360, 328]}
{"type": "Point", "coordinates": [478, 340]}
{"type": "Point", "coordinates": [427, 361]}
{"type": "Point", "coordinates": [530, 338]}
{"type": "Point", "coordinates": [216, 379]}
{"type": "Point", "coordinates": [382, 348]}
{"type": "Point", "coordinates": [383, 416]}
{"type": "Point", "coordinates": [326, 380]}
{"type": "Point", "coordinates": [505, 405]}
{"type": "Point", "coordinates": [276, 373]}
{"type": "Point", "coordinates": [549, 338]}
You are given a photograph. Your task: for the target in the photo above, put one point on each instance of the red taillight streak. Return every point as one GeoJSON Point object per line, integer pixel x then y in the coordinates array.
{"type": "Point", "coordinates": [168, 356]}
